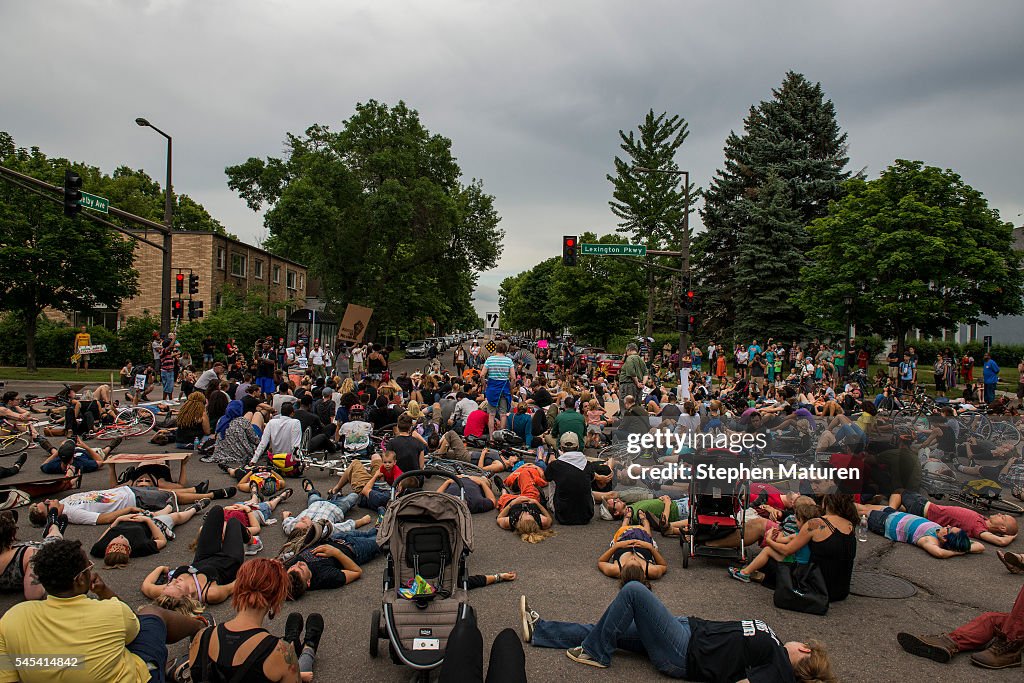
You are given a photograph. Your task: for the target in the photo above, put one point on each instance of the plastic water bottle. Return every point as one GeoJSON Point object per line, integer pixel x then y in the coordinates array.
{"type": "Point", "coordinates": [195, 446]}
{"type": "Point", "coordinates": [862, 529]}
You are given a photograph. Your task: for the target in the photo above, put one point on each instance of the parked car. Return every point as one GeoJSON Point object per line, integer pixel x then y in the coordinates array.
{"type": "Point", "coordinates": [417, 349]}
{"type": "Point", "coordinates": [609, 364]}
{"type": "Point", "coordinates": [591, 353]}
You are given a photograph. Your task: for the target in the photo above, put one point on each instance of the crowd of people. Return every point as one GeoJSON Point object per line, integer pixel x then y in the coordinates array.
{"type": "Point", "coordinates": [249, 415]}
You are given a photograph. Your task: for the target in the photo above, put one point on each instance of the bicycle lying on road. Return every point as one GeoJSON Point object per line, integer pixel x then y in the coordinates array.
{"type": "Point", "coordinates": [982, 499]}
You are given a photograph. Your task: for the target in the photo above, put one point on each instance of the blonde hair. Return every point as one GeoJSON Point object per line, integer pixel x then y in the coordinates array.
{"type": "Point", "coordinates": [191, 414]}
{"type": "Point", "coordinates": [414, 410]}
{"type": "Point", "coordinates": [529, 530]}
{"type": "Point", "coordinates": [815, 667]}
{"type": "Point", "coordinates": [593, 404]}
{"type": "Point", "coordinates": [348, 386]}
{"type": "Point", "coordinates": [188, 606]}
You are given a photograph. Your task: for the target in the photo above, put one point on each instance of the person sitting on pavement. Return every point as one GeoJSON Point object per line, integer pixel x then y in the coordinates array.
{"type": "Point", "coordinates": [477, 491]}
{"type": "Point", "coordinates": [633, 555]}
{"type": "Point", "coordinates": [998, 635]}
{"type": "Point", "coordinates": [935, 539]}
{"type": "Point", "coordinates": [140, 534]}
{"type": "Point", "coordinates": [209, 579]}
{"type": "Point", "coordinates": [318, 508]}
{"type": "Point", "coordinates": [572, 475]}
{"type": "Point", "coordinates": [680, 647]}
{"type": "Point", "coordinates": [241, 647]}
{"type": "Point", "coordinates": [110, 642]}
{"type": "Point", "coordinates": [282, 434]}
{"type": "Point", "coordinates": [333, 564]}
{"type": "Point", "coordinates": [776, 547]}
{"type": "Point", "coordinates": [16, 574]}
{"type": "Point", "coordinates": [998, 529]}
{"type": "Point", "coordinates": [356, 431]}
{"type": "Point", "coordinates": [569, 420]}
{"type": "Point", "coordinates": [373, 485]}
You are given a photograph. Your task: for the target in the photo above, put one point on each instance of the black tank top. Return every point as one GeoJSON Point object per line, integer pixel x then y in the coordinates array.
{"type": "Point", "coordinates": [835, 556]}
{"type": "Point", "coordinates": [374, 365]}
{"type": "Point", "coordinates": [223, 670]}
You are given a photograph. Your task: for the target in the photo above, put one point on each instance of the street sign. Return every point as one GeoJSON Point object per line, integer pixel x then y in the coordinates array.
{"type": "Point", "coordinates": [490, 346]}
{"type": "Point", "coordinates": [492, 320]}
{"type": "Point", "coordinates": [613, 250]}
{"type": "Point", "coordinates": [91, 201]}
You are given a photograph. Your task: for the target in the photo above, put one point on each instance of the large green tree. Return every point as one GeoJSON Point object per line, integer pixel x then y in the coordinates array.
{"type": "Point", "coordinates": [379, 212]}
{"type": "Point", "coordinates": [779, 175]}
{"type": "Point", "coordinates": [651, 203]}
{"type": "Point", "coordinates": [915, 248]}
{"type": "Point", "coordinates": [49, 261]}
{"type": "Point", "coordinates": [524, 300]}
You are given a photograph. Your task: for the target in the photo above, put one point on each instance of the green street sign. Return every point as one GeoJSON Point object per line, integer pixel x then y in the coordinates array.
{"type": "Point", "coordinates": [613, 250]}
{"type": "Point", "coordinates": [91, 201]}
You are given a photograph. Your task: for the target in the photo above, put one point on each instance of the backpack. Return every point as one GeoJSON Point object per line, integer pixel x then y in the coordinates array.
{"type": "Point", "coordinates": [982, 488]}
{"type": "Point", "coordinates": [286, 464]}
{"type": "Point", "coordinates": [268, 483]}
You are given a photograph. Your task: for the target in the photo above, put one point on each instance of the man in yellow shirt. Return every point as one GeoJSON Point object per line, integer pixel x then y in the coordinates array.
{"type": "Point", "coordinates": [72, 638]}
{"type": "Point", "coordinates": [81, 339]}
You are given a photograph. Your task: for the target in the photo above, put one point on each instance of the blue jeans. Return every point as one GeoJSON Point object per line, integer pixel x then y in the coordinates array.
{"type": "Point", "coordinates": [150, 645]}
{"type": "Point", "coordinates": [635, 621]}
{"type": "Point", "coordinates": [990, 393]}
{"type": "Point", "coordinates": [377, 500]}
{"type": "Point", "coordinates": [167, 379]}
{"type": "Point", "coordinates": [344, 502]}
{"type": "Point", "coordinates": [82, 462]}
{"type": "Point", "coordinates": [363, 543]}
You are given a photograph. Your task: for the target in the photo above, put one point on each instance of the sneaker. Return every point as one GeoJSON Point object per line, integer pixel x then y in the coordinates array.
{"type": "Point", "coordinates": [737, 573]}
{"type": "Point", "coordinates": [314, 629]}
{"type": "Point", "coordinates": [44, 444]}
{"type": "Point", "coordinates": [224, 468]}
{"type": "Point", "coordinates": [939, 648]}
{"type": "Point", "coordinates": [578, 654]}
{"type": "Point", "coordinates": [114, 444]}
{"type": "Point", "coordinates": [221, 494]}
{"type": "Point", "coordinates": [293, 630]}
{"type": "Point", "coordinates": [201, 504]}
{"type": "Point", "coordinates": [528, 617]}
{"type": "Point", "coordinates": [254, 547]}
{"type": "Point", "coordinates": [203, 487]}
{"type": "Point", "coordinates": [1012, 561]}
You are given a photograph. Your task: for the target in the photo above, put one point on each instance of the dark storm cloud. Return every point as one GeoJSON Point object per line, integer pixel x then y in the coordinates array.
{"type": "Point", "coordinates": [531, 93]}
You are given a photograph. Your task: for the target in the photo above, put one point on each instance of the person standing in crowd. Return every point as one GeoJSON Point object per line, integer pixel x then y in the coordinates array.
{"type": "Point", "coordinates": [632, 376]}
{"type": "Point", "coordinates": [499, 371]}
{"type": "Point", "coordinates": [990, 375]}
{"type": "Point", "coordinates": [317, 362]}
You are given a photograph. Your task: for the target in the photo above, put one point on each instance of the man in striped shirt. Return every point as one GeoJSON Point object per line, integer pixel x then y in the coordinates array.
{"type": "Point", "coordinates": [936, 540]}
{"type": "Point", "coordinates": [499, 371]}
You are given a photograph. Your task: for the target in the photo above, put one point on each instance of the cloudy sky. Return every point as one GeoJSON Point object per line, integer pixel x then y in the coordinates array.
{"type": "Point", "coordinates": [532, 93]}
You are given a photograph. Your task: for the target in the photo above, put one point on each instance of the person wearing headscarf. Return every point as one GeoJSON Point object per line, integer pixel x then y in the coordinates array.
{"type": "Point", "coordinates": [237, 437]}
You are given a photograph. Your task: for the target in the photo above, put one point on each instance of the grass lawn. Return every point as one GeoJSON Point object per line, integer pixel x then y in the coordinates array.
{"type": "Point", "coordinates": [57, 375]}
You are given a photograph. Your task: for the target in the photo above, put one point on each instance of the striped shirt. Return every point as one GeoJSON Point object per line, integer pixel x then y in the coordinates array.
{"type": "Point", "coordinates": [907, 528]}
{"type": "Point", "coordinates": [499, 368]}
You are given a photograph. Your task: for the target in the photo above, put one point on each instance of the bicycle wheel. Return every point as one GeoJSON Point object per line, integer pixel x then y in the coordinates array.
{"type": "Point", "coordinates": [136, 421]}
{"type": "Point", "coordinates": [1004, 434]}
{"type": "Point", "coordinates": [910, 418]}
{"type": "Point", "coordinates": [114, 431]}
{"type": "Point", "coordinates": [12, 445]}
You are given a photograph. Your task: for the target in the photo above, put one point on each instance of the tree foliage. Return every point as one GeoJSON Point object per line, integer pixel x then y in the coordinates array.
{"type": "Point", "coordinates": [379, 213]}
{"type": "Point", "coordinates": [915, 248]}
{"type": "Point", "coordinates": [779, 175]}
{"type": "Point", "coordinates": [524, 300]}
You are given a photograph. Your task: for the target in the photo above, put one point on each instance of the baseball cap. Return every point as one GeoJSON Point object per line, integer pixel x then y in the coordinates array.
{"type": "Point", "coordinates": [327, 391]}
{"type": "Point", "coordinates": [569, 439]}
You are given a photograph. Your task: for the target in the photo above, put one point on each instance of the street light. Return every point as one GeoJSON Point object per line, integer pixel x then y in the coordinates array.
{"type": "Point", "coordinates": [684, 243]}
{"type": "Point", "coordinates": [848, 300]}
{"type": "Point", "coordinates": [165, 307]}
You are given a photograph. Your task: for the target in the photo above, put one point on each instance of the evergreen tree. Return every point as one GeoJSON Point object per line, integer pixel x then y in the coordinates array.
{"type": "Point", "coordinates": [651, 205]}
{"type": "Point", "coordinates": [779, 176]}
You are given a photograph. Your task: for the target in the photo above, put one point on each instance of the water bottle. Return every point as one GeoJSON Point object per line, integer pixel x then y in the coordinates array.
{"type": "Point", "coordinates": [862, 529]}
{"type": "Point", "coordinates": [195, 446]}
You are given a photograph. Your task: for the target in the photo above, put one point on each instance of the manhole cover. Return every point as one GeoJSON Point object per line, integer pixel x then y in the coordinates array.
{"type": "Point", "coordinates": [876, 585]}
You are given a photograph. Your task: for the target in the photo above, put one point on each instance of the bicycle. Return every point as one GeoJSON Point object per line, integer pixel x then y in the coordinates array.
{"type": "Point", "coordinates": [59, 400]}
{"type": "Point", "coordinates": [939, 486]}
{"type": "Point", "coordinates": [13, 443]}
{"type": "Point", "coordinates": [457, 468]}
{"type": "Point", "coordinates": [129, 422]}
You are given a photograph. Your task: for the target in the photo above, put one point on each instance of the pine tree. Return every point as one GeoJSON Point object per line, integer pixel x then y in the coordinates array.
{"type": "Point", "coordinates": [779, 175]}
{"type": "Point", "coordinates": [651, 203]}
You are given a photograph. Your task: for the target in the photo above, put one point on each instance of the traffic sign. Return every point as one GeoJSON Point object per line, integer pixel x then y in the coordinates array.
{"type": "Point", "coordinates": [490, 346]}
{"type": "Point", "coordinates": [91, 201]}
{"type": "Point", "coordinates": [613, 250]}
{"type": "Point", "coordinates": [492, 320]}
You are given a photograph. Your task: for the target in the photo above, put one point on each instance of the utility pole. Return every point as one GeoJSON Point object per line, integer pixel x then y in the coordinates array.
{"type": "Point", "coordinates": [165, 291]}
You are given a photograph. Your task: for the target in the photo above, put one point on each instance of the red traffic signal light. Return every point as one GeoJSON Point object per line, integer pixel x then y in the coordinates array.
{"type": "Point", "coordinates": [569, 250]}
{"type": "Point", "coordinates": [178, 309]}
{"type": "Point", "coordinates": [179, 283]}
{"type": "Point", "coordinates": [569, 242]}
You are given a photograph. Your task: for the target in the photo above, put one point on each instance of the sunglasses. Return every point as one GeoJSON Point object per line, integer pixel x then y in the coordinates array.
{"type": "Point", "coordinates": [88, 568]}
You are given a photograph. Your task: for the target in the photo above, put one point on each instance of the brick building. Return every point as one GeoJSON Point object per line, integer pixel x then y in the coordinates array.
{"type": "Point", "coordinates": [219, 261]}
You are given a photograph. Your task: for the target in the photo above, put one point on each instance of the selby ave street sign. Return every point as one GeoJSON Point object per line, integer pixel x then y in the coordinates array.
{"type": "Point", "coordinates": [91, 201]}
{"type": "Point", "coordinates": [613, 250]}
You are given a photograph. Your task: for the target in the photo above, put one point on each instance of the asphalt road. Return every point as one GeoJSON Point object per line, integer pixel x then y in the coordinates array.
{"type": "Point", "coordinates": [562, 582]}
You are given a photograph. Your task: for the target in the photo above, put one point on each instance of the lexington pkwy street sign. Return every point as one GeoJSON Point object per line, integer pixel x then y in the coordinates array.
{"type": "Point", "coordinates": [613, 249]}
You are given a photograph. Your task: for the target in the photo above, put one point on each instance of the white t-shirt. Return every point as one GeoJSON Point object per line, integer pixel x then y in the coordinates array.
{"type": "Point", "coordinates": [87, 506]}
{"type": "Point", "coordinates": [741, 356]}
{"type": "Point", "coordinates": [357, 435]}
{"type": "Point", "coordinates": [316, 357]}
{"type": "Point", "coordinates": [357, 355]}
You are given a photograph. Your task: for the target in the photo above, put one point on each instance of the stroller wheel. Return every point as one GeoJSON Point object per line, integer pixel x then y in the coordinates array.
{"type": "Point", "coordinates": [374, 633]}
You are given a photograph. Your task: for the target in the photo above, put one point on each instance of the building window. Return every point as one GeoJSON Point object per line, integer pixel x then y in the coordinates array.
{"type": "Point", "coordinates": [218, 300]}
{"type": "Point", "coordinates": [974, 332]}
{"type": "Point", "coordinates": [221, 258]}
{"type": "Point", "coordinates": [238, 265]}
{"type": "Point", "coordinates": [290, 279]}
{"type": "Point", "coordinates": [277, 275]}
{"type": "Point", "coordinates": [257, 269]}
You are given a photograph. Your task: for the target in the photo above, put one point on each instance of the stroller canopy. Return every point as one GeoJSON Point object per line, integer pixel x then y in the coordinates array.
{"type": "Point", "coordinates": [423, 506]}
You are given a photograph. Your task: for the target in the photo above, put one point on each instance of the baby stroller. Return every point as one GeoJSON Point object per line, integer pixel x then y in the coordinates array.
{"type": "Point", "coordinates": [716, 507]}
{"type": "Point", "coordinates": [426, 537]}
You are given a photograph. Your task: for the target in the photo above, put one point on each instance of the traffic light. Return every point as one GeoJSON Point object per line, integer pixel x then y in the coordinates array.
{"type": "Point", "coordinates": [177, 309]}
{"type": "Point", "coordinates": [691, 323]}
{"type": "Point", "coordinates": [195, 309]}
{"type": "Point", "coordinates": [179, 283]}
{"type": "Point", "coordinates": [688, 300]}
{"type": "Point", "coordinates": [569, 246]}
{"type": "Point", "coordinates": [193, 284]}
{"type": "Point", "coordinates": [72, 193]}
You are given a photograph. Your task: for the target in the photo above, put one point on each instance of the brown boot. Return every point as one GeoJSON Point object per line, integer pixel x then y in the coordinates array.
{"type": "Point", "coordinates": [1001, 654]}
{"type": "Point", "coordinates": [939, 648]}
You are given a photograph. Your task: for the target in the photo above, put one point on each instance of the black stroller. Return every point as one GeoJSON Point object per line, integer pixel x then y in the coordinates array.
{"type": "Point", "coordinates": [716, 507]}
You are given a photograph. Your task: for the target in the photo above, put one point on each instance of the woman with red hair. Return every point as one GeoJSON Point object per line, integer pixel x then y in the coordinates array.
{"type": "Point", "coordinates": [241, 648]}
